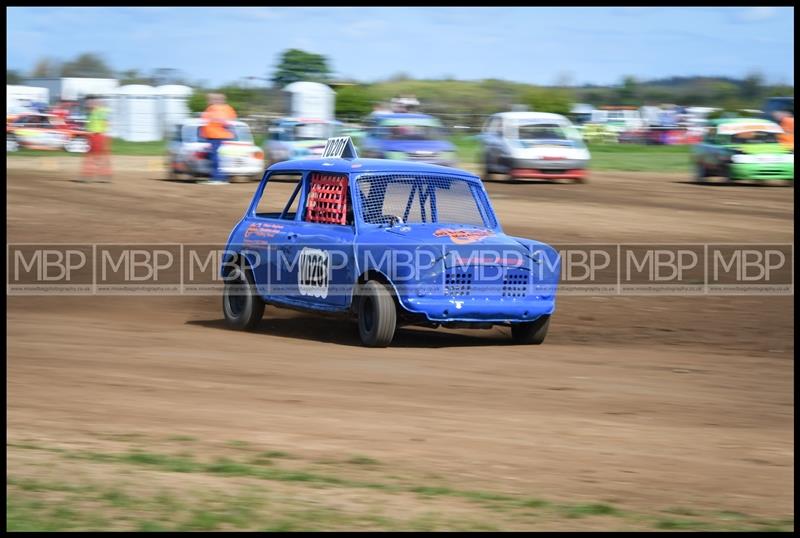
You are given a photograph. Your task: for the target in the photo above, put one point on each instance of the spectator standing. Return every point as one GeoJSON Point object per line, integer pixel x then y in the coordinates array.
{"type": "Point", "coordinates": [97, 162]}
{"type": "Point", "coordinates": [217, 129]}
{"type": "Point", "coordinates": [786, 121]}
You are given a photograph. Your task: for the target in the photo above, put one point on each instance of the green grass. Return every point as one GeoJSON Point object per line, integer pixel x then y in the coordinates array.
{"type": "Point", "coordinates": [157, 148]}
{"type": "Point", "coordinates": [596, 509]}
{"type": "Point", "coordinates": [640, 158]}
{"type": "Point", "coordinates": [680, 524]}
{"type": "Point", "coordinates": [182, 438]}
{"type": "Point", "coordinates": [275, 454]}
{"type": "Point", "coordinates": [625, 157]}
{"type": "Point", "coordinates": [49, 505]}
{"type": "Point", "coordinates": [362, 460]}
{"type": "Point", "coordinates": [468, 148]}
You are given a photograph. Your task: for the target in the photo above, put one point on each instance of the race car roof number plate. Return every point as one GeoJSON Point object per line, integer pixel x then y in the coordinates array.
{"type": "Point", "coordinates": [340, 147]}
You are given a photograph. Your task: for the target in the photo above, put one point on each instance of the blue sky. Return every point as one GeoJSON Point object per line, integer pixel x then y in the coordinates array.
{"type": "Point", "coordinates": [535, 45]}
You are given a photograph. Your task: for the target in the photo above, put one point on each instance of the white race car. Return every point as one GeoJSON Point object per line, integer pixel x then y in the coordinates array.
{"type": "Point", "coordinates": [188, 152]}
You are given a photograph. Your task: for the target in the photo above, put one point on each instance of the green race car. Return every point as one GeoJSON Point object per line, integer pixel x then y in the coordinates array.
{"type": "Point", "coordinates": [743, 148]}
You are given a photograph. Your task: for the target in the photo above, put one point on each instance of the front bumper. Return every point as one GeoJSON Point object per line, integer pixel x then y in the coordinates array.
{"type": "Point", "coordinates": [479, 309]}
{"type": "Point", "coordinates": [251, 167]}
{"type": "Point", "coordinates": [762, 171]}
{"type": "Point", "coordinates": [521, 173]}
{"type": "Point", "coordinates": [546, 168]}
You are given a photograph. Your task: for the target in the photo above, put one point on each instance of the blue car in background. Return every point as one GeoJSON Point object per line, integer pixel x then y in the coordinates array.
{"type": "Point", "coordinates": [408, 137]}
{"type": "Point", "coordinates": [388, 243]}
{"type": "Point", "coordinates": [297, 138]}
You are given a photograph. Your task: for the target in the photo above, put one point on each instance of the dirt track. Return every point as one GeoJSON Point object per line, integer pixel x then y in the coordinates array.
{"type": "Point", "coordinates": [646, 402]}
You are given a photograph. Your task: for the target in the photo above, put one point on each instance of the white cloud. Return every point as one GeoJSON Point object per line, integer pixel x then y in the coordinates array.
{"type": "Point", "coordinates": [755, 14]}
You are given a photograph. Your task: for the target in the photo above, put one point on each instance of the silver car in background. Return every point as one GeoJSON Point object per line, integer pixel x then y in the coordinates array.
{"type": "Point", "coordinates": [533, 145]}
{"type": "Point", "coordinates": [188, 152]}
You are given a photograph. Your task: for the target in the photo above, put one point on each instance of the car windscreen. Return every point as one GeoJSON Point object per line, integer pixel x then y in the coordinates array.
{"type": "Point", "coordinates": [542, 131]}
{"type": "Point", "coordinates": [313, 131]}
{"type": "Point", "coordinates": [412, 129]}
{"type": "Point", "coordinates": [241, 133]}
{"type": "Point", "coordinates": [546, 133]}
{"type": "Point", "coordinates": [422, 198]}
{"type": "Point", "coordinates": [754, 137]}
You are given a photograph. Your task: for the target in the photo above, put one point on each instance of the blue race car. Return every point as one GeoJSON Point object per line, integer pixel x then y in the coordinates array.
{"type": "Point", "coordinates": [389, 243]}
{"type": "Point", "coordinates": [409, 137]}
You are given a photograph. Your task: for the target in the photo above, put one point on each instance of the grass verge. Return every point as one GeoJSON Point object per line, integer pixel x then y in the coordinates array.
{"type": "Point", "coordinates": [258, 494]}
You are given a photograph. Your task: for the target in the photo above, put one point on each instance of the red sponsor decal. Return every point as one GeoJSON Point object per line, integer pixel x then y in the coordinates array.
{"type": "Point", "coordinates": [463, 237]}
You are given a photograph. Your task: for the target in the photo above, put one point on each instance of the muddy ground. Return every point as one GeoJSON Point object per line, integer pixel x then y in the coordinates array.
{"type": "Point", "coordinates": [642, 403]}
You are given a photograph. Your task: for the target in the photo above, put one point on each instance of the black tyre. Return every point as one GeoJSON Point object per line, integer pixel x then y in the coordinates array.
{"type": "Point", "coordinates": [377, 315]}
{"type": "Point", "coordinates": [728, 175]}
{"type": "Point", "coordinates": [487, 173]}
{"type": "Point", "coordinates": [172, 174]}
{"type": "Point", "coordinates": [700, 173]}
{"type": "Point", "coordinates": [241, 304]}
{"type": "Point", "coordinates": [532, 332]}
{"type": "Point", "coordinates": [12, 144]}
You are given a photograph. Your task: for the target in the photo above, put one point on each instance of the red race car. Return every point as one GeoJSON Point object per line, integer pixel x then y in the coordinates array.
{"type": "Point", "coordinates": [44, 131]}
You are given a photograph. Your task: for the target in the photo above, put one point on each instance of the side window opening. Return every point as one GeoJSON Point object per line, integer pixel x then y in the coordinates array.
{"type": "Point", "coordinates": [280, 197]}
{"type": "Point", "coordinates": [328, 200]}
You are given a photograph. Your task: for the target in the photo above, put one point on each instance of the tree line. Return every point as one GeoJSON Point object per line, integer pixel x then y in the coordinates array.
{"type": "Point", "coordinates": [461, 101]}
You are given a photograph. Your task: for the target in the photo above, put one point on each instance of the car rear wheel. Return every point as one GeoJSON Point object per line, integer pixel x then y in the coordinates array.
{"type": "Point", "coordinates": [172, 174]}
{"type": "Point", "coordinates": [241, 304]}
{"type": "Point", "coordinates": [532, 332]}
{"type": "Point", "coordinates": [377, 315]}
{"type": "Point", "coordinates": [11, 143]}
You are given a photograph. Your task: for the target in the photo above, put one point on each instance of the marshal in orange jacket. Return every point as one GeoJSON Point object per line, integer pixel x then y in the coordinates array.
{"type": "Point", "coordinates": [217, 117]}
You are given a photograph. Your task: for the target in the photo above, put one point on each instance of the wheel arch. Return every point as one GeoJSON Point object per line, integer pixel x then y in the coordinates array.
{"type": "Point", "coordinates": [380, 276]}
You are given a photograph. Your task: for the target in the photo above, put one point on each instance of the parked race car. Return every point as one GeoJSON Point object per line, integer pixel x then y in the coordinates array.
{"type": "Point", "coordinates": [188, 152]}
{"type": "Point", "coordinates": [407, 136]}
{"type": "Point", "coordinates": [533, 145]}
{"type": "Point", "coordinates": [743, 148]}
{"type": "Point", "coordinates": [44, 131]}
{"type": "Point", "coordinates": [388, 243]}
{"type": "Point", "coordinates": [293, 138]}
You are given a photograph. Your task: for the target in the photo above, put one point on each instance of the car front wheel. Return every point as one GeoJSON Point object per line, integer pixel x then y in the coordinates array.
{"type": "Point", "coordinates": [532, 332]}
{"type": "Point", "coordinates": [377, 315]}
{"type": "Point", "coordinates": [487, 171]}
{"type": "Point", "coordinates": [11, 143]}
{"type": "Point", "coordinates": [242, 305]}
{"type": "Point", "coordinates": [700, 173]}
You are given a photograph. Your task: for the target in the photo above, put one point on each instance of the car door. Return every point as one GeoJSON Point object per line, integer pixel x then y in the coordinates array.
{"type": "Point", "coordinates": [271, 221]}
{"type": "Point", "coordinates": [320, 243]}
{"type": "Point", "coordinates": [26, 131]}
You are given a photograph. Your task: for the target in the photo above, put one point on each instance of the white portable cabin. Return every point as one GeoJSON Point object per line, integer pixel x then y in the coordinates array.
{"type": "Point", "coordinates": [74, 88]}
{"type": "Point", "coordinates": [173, 107]}
{"type": "Point", "coordinates": [115, 119]}
{"type": "Point", "coordinates": [136, 114]}
{"type": "Point", "coordinates": [19, 98]}
{"type": "Point", "coordinates": [310, 100]}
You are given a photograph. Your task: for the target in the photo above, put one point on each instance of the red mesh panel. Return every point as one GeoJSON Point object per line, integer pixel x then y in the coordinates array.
{"type": "Point", "coordinates": [327, 199]}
